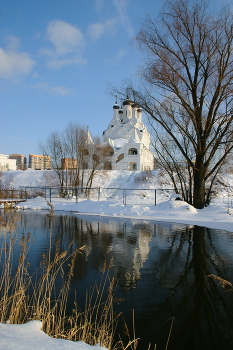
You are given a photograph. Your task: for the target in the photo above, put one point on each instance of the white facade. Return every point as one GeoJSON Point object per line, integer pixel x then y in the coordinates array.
{"type": "Point", "coordinates": [6, 163]}
{"type": "Point", "coordinates": [128, 140]}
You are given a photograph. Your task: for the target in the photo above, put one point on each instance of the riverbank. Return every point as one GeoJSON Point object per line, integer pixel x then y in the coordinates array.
{"type": "Point", "coordinates": [219, 214]}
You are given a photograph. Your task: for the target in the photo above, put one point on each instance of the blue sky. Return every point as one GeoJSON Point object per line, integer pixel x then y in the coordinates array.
{"type": "Point", "coordinates": [57, 58]}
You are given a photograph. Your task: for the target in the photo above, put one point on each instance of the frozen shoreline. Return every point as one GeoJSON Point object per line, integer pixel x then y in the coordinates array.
{"type": "Point", "coordinates": [215, 216]}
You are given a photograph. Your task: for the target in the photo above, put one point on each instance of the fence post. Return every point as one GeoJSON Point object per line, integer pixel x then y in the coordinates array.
{"type": "Point", "coordinates": [228, 200]}
{"type": "Point", "coordinates": [155, 197]}
{"type": "Point", "coordinates": [124, 196]}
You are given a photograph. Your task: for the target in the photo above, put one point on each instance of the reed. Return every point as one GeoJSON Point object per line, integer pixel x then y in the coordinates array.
{"type": "Point", "coordinates": [28, 296]}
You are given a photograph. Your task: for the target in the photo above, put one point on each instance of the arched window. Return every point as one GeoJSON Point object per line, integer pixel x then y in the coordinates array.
{"type": "Point", "coordinates": [108, 152]}
{"type": "Point", "coordinates": [132, 166]}
{"type": "Point", "coordinates": [120, 157]}
{"type": "Point", "coordinates": [107, 165]}
{"type": "Point", "coordinates": [133, 151]}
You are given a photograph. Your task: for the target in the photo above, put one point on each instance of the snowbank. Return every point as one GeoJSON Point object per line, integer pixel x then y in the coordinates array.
{"type": "Point", "coordinates": [29, 336]}
{"type": "Point", "coordinates": [218, 215]}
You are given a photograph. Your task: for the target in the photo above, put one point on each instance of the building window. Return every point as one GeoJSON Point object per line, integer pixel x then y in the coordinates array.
{"type": "Point", "coordinates": [120, 157]}
{"type": "Point", "coordinates": [133, 151]}
{"type": "Point", "coordinates": [108, 166]}
{"type": "Point", "coordinates": [132, 166]}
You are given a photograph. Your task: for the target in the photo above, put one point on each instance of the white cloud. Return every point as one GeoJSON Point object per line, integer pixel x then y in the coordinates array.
{"type": "Point", "coordinates": [96, 30]}
{"type": "Point", "coordinates": [67, 44]}
{"type": "Point", "coordinates": [59, 63]}
{"type": "Point", "coordinates": [120, 6]}
{"type": "Point", "coordinates": [99, 4]}
{"type": "Point", "coordinates": [54, 90]}
{"type": "Point", "coordinates": [120, 54]}
{"type": "Point", "coordinates": [65, 37]}
{"type": "Point", "coordinates": [13, 62]}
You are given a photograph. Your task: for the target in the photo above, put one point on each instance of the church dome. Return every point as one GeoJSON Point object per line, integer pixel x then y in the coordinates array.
{"type": "Point", "coordinates": [127, 102]}
{"type": "Point", "coordinates": [116, 106]}
{"type": "Point", "coordinates": [135, 105]}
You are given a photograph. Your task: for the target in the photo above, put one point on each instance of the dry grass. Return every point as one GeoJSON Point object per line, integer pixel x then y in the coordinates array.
{"type": "Point", "coordinates": [25, 297]}
{"type": "Point", "coordinates": [51, 210]}
{"type": "Point", "coordinates": [8, 221]}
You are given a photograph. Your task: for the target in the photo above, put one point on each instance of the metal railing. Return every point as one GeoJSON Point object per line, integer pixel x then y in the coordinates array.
{"type": "Point", "coordinates": [126, 195]}
{"type": "Point", "coordinates": [11, 194]}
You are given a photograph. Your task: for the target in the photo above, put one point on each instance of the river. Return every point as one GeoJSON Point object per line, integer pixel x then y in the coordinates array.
{"type": "Point", "coordinates": [162, 271]}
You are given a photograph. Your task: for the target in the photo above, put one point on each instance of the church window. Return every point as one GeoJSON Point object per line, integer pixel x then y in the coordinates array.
{"type": "Point", "coordinates": [107, 166]}
{"type": "Point", "coordinates": [133, 151]}
{"type": "Point", "coordinates": [132, 166]}
{"type": "Point", "coordinates": [120, 157]}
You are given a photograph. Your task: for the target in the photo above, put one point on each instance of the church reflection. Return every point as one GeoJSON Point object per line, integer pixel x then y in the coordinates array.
{"type": "Point", "coordinates": [162, 271]}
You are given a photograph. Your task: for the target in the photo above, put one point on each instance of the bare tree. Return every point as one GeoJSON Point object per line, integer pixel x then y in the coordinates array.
{"type": "Point", "coordinates": [75, 157]}
{"type": "Point", "coordinates": [98, 151]}
{"type": "Point", "coordinates": [187, 84]}
{"type": "Point", "coordinates": [76, 137]}
{"type": "Point", "coordinates": [54, 147]}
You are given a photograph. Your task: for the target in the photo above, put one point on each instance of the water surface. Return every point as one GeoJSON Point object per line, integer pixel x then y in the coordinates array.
{"type": "Point", "coordinates": [162, 271]}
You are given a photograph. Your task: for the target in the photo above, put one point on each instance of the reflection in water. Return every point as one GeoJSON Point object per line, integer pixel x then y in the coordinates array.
{"type": "Point", "coordinates": [162, 269]}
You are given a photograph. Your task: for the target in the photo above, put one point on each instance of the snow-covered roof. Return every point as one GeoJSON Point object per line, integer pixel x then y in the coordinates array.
{"type": "Point", "coordinates": [118, 143]}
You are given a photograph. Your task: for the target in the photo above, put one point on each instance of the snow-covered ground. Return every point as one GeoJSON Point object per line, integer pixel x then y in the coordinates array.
{"type": "Point", "coordinates": [140, 205]}
{"type": "Point", "coordinates": [29, 336]}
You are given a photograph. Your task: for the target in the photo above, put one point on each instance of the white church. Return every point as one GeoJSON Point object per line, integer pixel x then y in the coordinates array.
{"type": "Point", "coordinates": [126, 140]}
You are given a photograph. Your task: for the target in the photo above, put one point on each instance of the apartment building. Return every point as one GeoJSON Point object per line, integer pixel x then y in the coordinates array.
{"type": "Point", "coordinates": [68, 163]}
{"type": "Point", "coordinates": [39, 162]}
{"type": "Point", "coordinates": [21, 161]}
{"type": "Point", "coordinates": [6, 163]}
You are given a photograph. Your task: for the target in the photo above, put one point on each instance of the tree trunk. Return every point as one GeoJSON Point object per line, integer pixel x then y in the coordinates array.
{"type": "Point", "coordinates": [199, 187]}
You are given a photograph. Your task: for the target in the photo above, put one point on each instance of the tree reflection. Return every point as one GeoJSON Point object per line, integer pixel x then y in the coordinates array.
{"type": "Point", "coordinates": [165, 268]}
{"type": "Point", "coordinates": [202, 309]}
{"type": "Point", "coordinates": [162, 270]}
